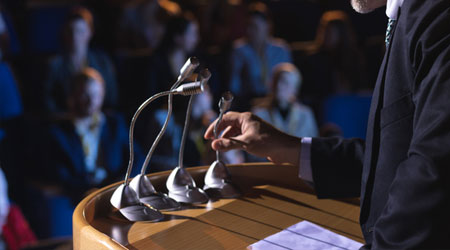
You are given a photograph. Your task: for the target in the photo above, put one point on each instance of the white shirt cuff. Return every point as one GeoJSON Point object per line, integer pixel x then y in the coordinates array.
{"type": "Point", "coordinates": [305, 171]}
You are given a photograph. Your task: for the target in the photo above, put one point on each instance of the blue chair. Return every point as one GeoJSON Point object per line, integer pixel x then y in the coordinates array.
{"type": "Point", "coordinates": [49, 211]}
{"type": "Point", "coordinates": [350, 112]}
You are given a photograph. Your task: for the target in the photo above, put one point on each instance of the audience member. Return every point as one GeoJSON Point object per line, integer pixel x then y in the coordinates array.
{"type": "Point", "coordinates": [179, 42]}
{"type": "Point", "coordinates": [77, 55]}
{"type": "Point", "coordinates": [142, 24]}
{"type": "Point", "coordinates": [88, 148]}
{"type": "Point", "coordinates": [282, 109]}
{"type": "Point", "coordinates": [334, 62]}
{"type": "Point", "coordinates": [254, 57]}
{"type": "Point", "coordinates": [15, 233]}
{"type": "Point", "coordinates": [220, 26]}
{"type": "Point", "coordinates": [11, 121]}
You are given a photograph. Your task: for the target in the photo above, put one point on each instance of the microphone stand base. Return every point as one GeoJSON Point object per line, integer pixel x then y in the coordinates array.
{"type": "Point", "coordinates": [147, 194]}
{"type": "Point", "coordinates": [191, 195]}
{"type": "Point", "coordinates": [218, 182]}
{"type": "Point", "coordinates": [141, 212]}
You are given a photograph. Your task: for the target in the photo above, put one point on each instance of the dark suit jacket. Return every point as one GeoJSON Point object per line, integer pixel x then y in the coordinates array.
{"type": "Point", "coordinates": [66, 160]}
{"type": "Point", "coordinates": [404, 172]}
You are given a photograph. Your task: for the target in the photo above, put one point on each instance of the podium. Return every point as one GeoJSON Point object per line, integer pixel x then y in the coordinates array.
{"type": "Point", "coordinates": [273, 199]}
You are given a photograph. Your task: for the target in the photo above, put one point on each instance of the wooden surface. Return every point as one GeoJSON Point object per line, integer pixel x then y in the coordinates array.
{"type": "Point", "coordinates": [274, 199]}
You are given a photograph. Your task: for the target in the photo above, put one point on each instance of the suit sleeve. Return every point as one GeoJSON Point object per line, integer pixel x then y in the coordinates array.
{"type": "Point", "coordinates": [337, 167]}
{"type": "Point", "coordinates": [417, 211]}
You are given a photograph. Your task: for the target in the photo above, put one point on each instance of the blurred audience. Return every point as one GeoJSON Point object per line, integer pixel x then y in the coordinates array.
{"type": "Point", "coordinates": [12, 139]}
{"type": "Point", "coordinates": [142, 24]}
{"type": "Point", "coordinates": [253, 58]}
{"type": "Point", "coordinates": [85, 145]}
{"type": "Point", "coordinates": [334, 62]}
{"type": "Point", "coordinates": [88, 148]}
{"type": "Point", "coordinates": [179, 42]}
{"type": "Point", "coordinates": [77, 33]}
{"type": "Point", "coordinates": [282, 108]}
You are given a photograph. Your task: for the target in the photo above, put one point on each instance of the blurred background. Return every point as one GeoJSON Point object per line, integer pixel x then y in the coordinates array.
{"type": "Point", "coordinates": [72, 74]}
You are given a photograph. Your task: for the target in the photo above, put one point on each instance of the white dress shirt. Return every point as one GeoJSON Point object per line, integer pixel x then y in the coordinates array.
{"type": "Point", "coordinates": [392, 8]}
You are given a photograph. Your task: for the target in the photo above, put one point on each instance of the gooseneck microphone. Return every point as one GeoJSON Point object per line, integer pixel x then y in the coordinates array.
{"type": "Point", "coordinates": [224, 106]}
{"type": "Point", "coordinates": [218, 179]}
{"type": "Point", "coordinates": [185, 89]}
{"type": "Point", "coordinates": [204, 78]}
{"type": "Point", "coordinates": [141, 184]}
{"type": "Point", "coordinates": [187, 70]}
{"type": "Point", "coordinates": [125, 197]}
{"type": "Point", "coordinates": [180, 183]}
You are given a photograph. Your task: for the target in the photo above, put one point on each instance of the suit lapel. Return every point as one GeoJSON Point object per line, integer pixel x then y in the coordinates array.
{"type": "Point", "coordinates": [373, 136]}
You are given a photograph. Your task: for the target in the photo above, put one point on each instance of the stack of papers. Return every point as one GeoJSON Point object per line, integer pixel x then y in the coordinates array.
{"type": "Point", "coordinates": [305, 235]}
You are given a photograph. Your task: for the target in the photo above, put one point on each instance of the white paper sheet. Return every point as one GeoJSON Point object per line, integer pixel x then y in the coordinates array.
{"type": "Point", "coordinates": [308, 236]}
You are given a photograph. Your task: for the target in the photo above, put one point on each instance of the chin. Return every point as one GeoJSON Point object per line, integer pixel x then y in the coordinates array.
{"type": "Point", "coordinates": [366, 6]}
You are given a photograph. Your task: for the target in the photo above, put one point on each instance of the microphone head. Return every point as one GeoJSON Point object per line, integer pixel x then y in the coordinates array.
{"type": "Point", "coordinates": [205, 74]}
{"type": "Point", "coordinates": [192, 88]}
{"type": "Point", "coordinates": [189, 66]}
{"type": "Point", "coordinates": [225, 101]}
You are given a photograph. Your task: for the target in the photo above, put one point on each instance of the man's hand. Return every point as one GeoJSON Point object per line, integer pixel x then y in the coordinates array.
{"type": "Point", "coordinates": [250, 133]}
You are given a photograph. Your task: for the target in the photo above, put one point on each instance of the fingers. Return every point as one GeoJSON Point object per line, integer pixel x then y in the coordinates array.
{"type": "Point", "coordinates": [209, 134]}
{"type": "Point", "coordinates": [231, 132]}
{"type": "Point", "coordinates": [229, 119]}
{"type": "Point", "coordinates": [225, 144]}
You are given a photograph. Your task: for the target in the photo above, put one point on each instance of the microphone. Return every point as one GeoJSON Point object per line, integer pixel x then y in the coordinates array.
{"type": "Point", "coordinates": [218, 179]}
{"type": "Point", "coordinates": [205, 74]}
{"type": "Point", "coordinates": [141, 184]}
{"type": "Point", "coordinates": [127, 198]}
{"type": "Point", "coordinates": [192, 88]}
{"type": "Point", "coordinates": [225, 102]}
{"type": "Point", "coordinates": [180, 184]}
{"type": "Point", "coordinates": [189, 66]}
{"type": "Point", "coordinates": [197, 87]}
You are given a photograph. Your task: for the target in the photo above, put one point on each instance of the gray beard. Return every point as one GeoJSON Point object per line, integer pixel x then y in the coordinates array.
{"type": "Point", "coordinates": [361, 6]}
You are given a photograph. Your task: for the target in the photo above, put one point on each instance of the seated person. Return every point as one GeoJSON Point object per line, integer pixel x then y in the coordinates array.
{"type": "Point", "coordinates": [88, 148]}
{"type": "Point", "coordinates": [15, 232]}
{"type": "Point", "coordinates": [11, 119]}
{"type": "Point", "coordinates": [253, 58]}
{"type": "Point", "coordinates": [282, 109]}
{"type": "Point", "coordinates": [77, 33]}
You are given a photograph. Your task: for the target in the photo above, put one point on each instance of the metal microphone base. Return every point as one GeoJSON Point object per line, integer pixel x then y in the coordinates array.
{"type": "Point", "coordinates": [148, 195]}
{"type": "Point", "coordinates": [141, 212]}
{"type": "Point", "coordinates": [218, 182]}
{"type": "Point", "coordinates": [182, 187]}
{"type": "Point", "coordinates": [125, 200]}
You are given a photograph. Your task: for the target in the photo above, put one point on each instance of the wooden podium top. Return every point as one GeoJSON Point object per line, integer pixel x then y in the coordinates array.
{"type": "Point", "coordinates": [273, 199]}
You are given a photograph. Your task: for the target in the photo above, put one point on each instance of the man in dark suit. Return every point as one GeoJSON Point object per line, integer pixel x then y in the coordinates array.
{"type": "Point", "coordinates": [401, 172]}
{"type": "Point", "coordinates": [87, 148]}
